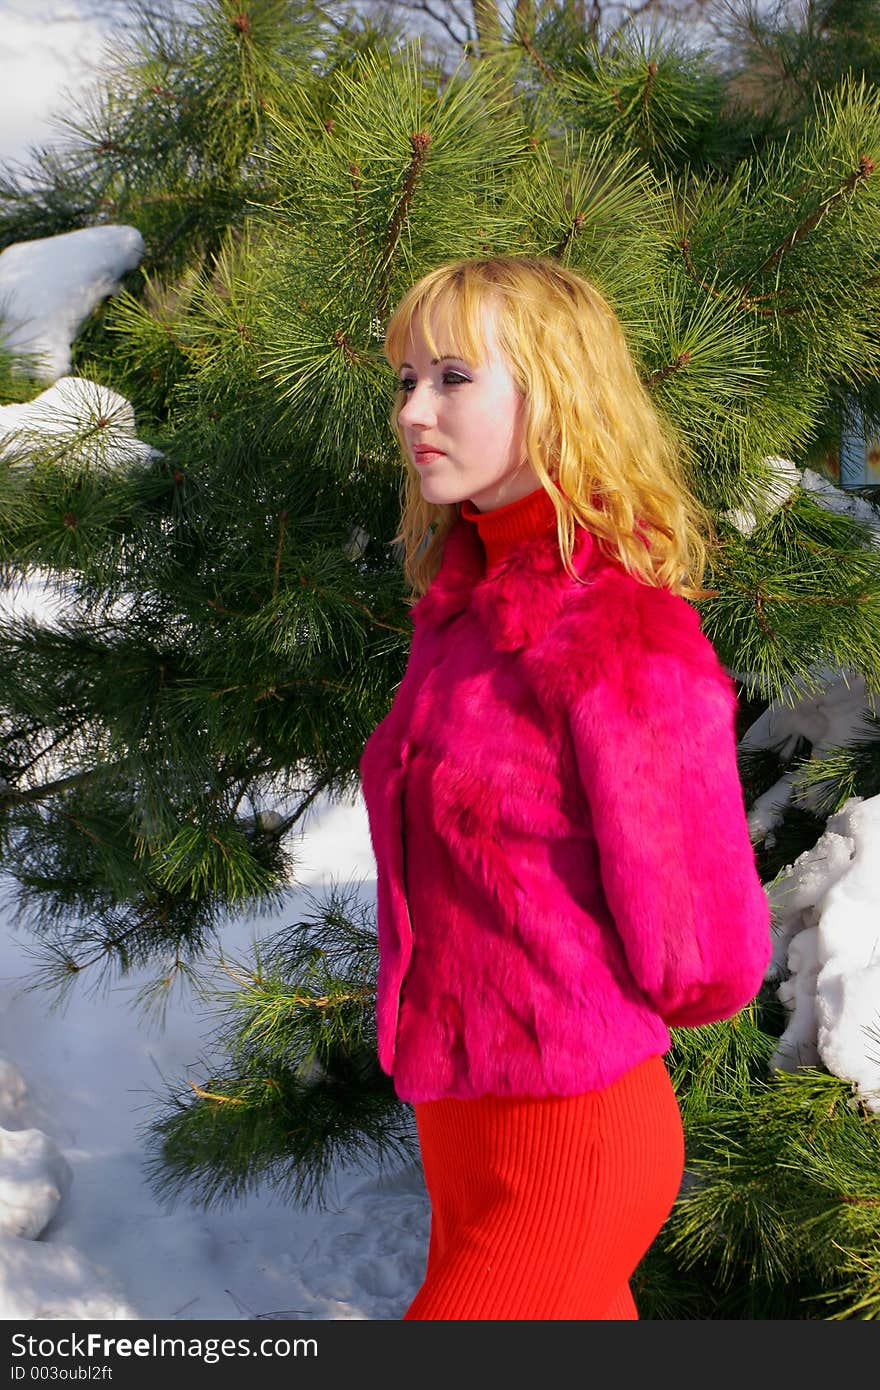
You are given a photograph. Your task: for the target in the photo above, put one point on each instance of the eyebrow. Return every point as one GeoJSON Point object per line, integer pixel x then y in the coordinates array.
{"type": "Point", "coordinates": [450, 357]}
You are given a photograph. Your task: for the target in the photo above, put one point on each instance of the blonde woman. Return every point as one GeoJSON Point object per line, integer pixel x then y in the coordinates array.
{"type": "Point", "coordinates": [563, 863]}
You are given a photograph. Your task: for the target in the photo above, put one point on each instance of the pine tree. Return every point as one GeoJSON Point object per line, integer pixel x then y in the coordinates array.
{"type": "Point", "coordinates": [240, 622]}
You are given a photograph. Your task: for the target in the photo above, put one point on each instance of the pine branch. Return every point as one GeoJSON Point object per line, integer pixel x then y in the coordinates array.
{"type": "Point", "coordinates": [865, 169]}
{"type": "Point", "coordinates": [16, 796]}
{"type": "Point", "coordinates": [654, 378]}
{"type": "Point", "coordinates": [299, 1089]}
{"type": "Point", "coordinates": [526, 41]}
{"type": "Point", "coordinates": [755, 302]}
{"type": "Point", "coordinates": [356, 603]}
{"type": "Point", "coordinates": [420, 142]}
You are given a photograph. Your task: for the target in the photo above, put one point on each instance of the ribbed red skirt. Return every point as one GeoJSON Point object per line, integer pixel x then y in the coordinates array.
{"type": "Point", "coordinates": [542, 1206]}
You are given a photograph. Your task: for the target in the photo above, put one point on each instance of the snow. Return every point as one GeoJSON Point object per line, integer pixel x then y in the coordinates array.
{"type": "Point", "coordinates": [76, 1089]}
{"type": "Point", "coordinates": [34, 1179]}
{"type": "Point", "coordinates": [825, 916]}
{"type": "Point", "coordinates": [89, 424]}
{"type": "Point", "coordinates": [49, 287]}
{"type": "Point", "coordinates": [834, 958]}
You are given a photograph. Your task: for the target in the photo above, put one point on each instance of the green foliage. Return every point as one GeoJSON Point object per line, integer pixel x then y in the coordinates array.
{"type": "Point", "coordinates": [299, 1090]}
{"type": "Point", "coordinates": [781, 55]}
{"type": "Point", "coordinates": [174, 136]}
{"type": "Point", "coordinates": [795, 591]}
{"type": "Point", "coordinates": [648, 96]}
{"type": "Point", "coordinates": [581, 203]}
{"type": "Point", "coordinates": [779, 1217]}
{"type": "Point", "coordinates": [651, 92]}
{"type": "Point", "coordinates": [18, 380]}
{"type": "Point", "coordinates": [234, 625]}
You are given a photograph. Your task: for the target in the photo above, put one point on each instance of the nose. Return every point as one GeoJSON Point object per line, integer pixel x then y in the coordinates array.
{"type": "Point", "coordinates": [418, 410]}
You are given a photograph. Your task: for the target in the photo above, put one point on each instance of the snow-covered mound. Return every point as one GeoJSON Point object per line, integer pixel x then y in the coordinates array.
{"type": "Point", "coordinates": [49, 287]}
{"type": "Point", "coordinates": [39, 1279]}
{"type": "Point", "coordinates": [34, 1180]}
{"type": "Point", "coordinates": [825, 913]}
{"type": "Point", "coordinates": [825, 904]}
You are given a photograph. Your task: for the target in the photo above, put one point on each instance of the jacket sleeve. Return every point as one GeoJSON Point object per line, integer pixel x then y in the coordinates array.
{"type": "Point", "coordinates": [656, 753]}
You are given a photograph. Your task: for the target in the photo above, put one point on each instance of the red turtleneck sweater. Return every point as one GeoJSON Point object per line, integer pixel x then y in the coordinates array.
{"type": "Point", "coordinates": [504, 527]}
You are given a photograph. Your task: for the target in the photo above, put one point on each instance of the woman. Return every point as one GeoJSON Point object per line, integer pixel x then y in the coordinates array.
{"type": "Point", "coordinates": [564, 866]}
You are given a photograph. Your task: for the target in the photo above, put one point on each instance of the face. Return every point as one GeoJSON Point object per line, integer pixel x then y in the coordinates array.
{"type": "Point", "coordinates": [463, 423]}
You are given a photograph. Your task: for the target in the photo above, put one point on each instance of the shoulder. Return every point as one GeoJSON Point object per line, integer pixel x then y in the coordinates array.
{"type": "Point", "coordinates": [617, 629]}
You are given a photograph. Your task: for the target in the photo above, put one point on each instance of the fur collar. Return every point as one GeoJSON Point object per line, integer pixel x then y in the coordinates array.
{"type": "Point", "coordinates": [518, 599]}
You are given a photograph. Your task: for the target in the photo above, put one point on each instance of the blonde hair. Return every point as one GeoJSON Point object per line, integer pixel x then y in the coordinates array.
{"type": "Point", "coordinates": [590, 424]}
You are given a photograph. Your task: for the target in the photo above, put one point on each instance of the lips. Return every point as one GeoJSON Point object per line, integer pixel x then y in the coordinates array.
{"type": "Point", "coordinates": [423, 456]}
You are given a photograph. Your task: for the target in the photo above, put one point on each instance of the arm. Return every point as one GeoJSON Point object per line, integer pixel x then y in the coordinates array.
{"type": "Point", "coordinates": [656, 752]}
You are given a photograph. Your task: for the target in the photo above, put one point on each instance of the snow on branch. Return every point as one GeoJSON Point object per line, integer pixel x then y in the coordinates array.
{"type": "Point", "coordinates": [49, 287]}
{"type": "Point", "coordinates": [86, 424]}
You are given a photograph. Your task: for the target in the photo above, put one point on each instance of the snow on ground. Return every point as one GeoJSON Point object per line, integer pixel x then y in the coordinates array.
{"type": "Point", "coordinates": [75, 1089]}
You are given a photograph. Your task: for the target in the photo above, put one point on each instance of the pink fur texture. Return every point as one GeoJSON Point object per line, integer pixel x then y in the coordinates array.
{"type": "Point", "coordinates": [563, 863]}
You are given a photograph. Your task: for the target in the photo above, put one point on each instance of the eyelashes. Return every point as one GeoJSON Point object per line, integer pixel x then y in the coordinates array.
{"type": "Point", "coordinates": [406, 382]}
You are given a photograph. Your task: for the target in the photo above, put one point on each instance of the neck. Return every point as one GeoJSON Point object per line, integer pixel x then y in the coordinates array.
{"type": "Point", "coordinates": [503, 528]}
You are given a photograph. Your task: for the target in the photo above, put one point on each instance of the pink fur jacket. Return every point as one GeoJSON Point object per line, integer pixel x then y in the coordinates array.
{"type": "Point", "coordinates": [563, 863]}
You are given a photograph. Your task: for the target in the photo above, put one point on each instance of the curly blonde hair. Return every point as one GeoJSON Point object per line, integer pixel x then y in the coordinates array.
{"type": "Point", "coordinates": [590, 424]}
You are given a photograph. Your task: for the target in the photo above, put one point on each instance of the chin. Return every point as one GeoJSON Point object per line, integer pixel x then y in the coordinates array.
{"type": "Point", "coordinates": [441, 496]}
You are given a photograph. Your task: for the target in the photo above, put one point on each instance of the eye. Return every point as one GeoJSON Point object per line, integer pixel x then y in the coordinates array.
{"type": "Point", "coordinates": [450, 378]}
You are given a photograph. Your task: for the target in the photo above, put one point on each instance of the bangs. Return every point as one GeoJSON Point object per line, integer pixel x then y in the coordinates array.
{"type": "Point", "coordinates": [456, 303]}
